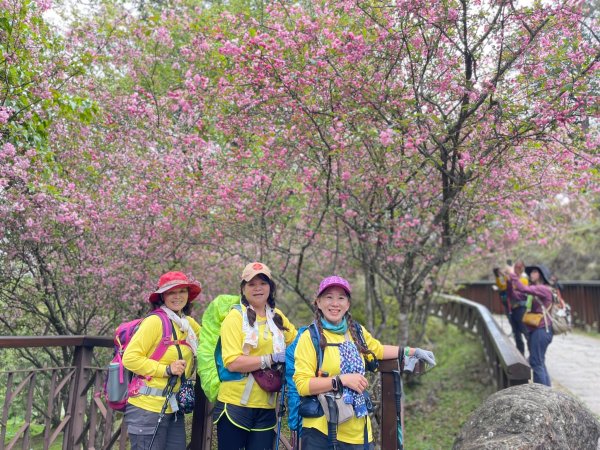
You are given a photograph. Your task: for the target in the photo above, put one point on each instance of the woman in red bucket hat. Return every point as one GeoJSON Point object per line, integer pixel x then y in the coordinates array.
{"type": "Point", "coordinates": [254, 337]}
{"type": "Point", "coordinates": [172, 298]}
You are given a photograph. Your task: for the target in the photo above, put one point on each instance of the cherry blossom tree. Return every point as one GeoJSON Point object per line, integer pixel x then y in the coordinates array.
{"type": "Point", "coordinates": [419, 124]}
{"type": "Point", "coordinates": [378, 141]}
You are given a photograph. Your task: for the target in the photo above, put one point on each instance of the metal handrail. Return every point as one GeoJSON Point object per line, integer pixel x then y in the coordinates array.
{"type": "Point", "coordinates": [83, 417]}
{"type": "Point", "coordinates": [55, 341]}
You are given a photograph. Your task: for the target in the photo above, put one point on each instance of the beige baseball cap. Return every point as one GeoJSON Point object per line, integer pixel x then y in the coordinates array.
{"type": "Point", "coordinates": [253, 269]}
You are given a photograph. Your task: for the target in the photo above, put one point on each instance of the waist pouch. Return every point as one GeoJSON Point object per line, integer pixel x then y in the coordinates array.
{"type": "Point", "coordinates": [310, 406]}
{"type": "Point", "coordinates": [268, 379]}
{"type": "Point", "coordinates": [186, 397]}
{"type": "Point", "coordinates": [532, 319]}
{"type": "Point", "coordinates": [345, 411]}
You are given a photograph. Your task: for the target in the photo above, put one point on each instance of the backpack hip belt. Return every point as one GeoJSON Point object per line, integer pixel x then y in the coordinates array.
{"type": "Point", "coordinates": [156, 392]}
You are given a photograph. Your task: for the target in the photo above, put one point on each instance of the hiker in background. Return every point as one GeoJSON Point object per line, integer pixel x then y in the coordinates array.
{"type": "Point", "coordinates": [517, 305]}
{"type": "Point", "coordinates": [540, 336]}
{"type": "Point", "coordinates": [174, 296]}
{"type": "Point", "coordinates": [343, 367]}
{"type": "Point", "coordinates": [501, 285]}
{"type": "Point", "coordinates": [252, 338]}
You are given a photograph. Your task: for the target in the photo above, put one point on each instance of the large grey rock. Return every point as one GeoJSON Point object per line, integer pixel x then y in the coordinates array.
{"type": "Point", "coordinates": [530, 416]}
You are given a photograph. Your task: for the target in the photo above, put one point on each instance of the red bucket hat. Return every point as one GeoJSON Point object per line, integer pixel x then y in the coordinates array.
{"type": "Point", "coordinates": [172, 280]}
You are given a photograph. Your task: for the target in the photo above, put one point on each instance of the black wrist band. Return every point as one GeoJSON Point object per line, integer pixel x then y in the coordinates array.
{"type": "Point", "coordinates": [339, 382]}
{"type": "Point", "coordinates": [169, 372]}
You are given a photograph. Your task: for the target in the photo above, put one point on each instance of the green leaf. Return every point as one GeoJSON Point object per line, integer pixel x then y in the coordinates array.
{"type": "Point", "coordinates": [5, 24]}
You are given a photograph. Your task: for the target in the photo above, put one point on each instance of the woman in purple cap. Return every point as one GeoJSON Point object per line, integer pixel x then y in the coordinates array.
{"type": "Point", "coordinates": [345, 354]}
{"type": "Point", "coordinates": [172, 298]}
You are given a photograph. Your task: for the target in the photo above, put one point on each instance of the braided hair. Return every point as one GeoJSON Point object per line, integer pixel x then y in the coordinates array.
{"type": "Point", "coordinates": [318, 317]}
{"type": "Point", "coordinates": [277, 319]}
{"type": "Point", "coordinates": [359, 344]}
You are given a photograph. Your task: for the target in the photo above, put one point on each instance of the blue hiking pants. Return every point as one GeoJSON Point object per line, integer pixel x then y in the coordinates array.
{"type": "Point", "coordinates": [518, 327]}
{"type": "Point", "coordinates": [539, 340]}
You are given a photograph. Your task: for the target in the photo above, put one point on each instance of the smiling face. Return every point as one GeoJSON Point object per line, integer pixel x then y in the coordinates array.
{"type": "Point", "coordinates": [257, 292]}
{"type": "Point", "coordinates": [175, 299]}
{"type": "Point", "coordinates": [334, 302]}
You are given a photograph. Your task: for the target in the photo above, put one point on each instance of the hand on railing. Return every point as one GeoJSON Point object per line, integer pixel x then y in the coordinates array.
{"type": "Point", "coordinates": [414, 355]}
{"type": "Point", "coordinates": [425, 355]}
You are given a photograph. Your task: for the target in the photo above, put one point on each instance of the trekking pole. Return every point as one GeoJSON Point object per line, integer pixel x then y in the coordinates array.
{"type": "Point", "coordinates": [281, 412]}
{"type": "Point", "coordinates": [169, 389]}
{"type": "Point", "coordinates": [398, 396]}
{"type": "Point", "coordinates": [332, 423]}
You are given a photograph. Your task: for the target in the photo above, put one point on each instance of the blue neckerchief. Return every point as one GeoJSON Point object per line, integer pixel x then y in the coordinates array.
{"type": "Point", "coordinates": [337, 329]}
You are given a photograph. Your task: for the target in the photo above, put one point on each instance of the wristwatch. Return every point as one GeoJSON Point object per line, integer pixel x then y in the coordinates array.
{"type": "Point", "coordinates": [334, 384]}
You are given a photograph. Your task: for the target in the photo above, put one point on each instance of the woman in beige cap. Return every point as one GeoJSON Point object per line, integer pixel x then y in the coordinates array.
{"type": "Point", "coordinates": [253, 338]}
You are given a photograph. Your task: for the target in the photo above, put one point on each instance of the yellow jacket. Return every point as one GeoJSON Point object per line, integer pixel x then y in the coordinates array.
{"type": "Point", "coordinates": [137, 359]}
{"type": "Point", "coordinates": [501, 283]}
{"type": "Point", "coordinates": [352, 431]}
{"type": "Point", "coordinates": [232, 339]}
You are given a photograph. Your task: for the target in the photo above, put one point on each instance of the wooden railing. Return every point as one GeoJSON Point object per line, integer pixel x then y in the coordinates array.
{"type": "Point", "coordinates": [86, 422]}
{"type": "Point", "coordinates": [505, 362]}
{"type": "Point", "coordinates": [583, 296]}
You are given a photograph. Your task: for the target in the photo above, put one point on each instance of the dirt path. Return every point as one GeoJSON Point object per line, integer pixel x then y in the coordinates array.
{"type": "Point", "coordinates": [573, 361]}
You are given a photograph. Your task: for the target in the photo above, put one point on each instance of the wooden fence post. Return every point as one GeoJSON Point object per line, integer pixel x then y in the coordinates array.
{"type": "Point", "coordinates": [82, 359]}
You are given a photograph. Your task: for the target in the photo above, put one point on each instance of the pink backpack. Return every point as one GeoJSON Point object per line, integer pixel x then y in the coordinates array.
{"type": "Point", "coordinates": [120, 383]}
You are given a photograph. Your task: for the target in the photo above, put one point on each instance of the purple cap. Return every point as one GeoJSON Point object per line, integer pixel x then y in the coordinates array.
{"type": "Point", "coordinates": [334, 281]}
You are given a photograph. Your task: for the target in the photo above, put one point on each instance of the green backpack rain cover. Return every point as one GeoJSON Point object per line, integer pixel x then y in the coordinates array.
{"type": "Point", "coordinates": [215, 313]}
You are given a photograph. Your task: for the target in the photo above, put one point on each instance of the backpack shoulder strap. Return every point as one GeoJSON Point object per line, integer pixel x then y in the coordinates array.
{"type": "Point", "coordinates": [359, 333]}
{"type": "Point", "coordinates": [372, 365]}
{"type": "Point", "coordinates": [315, 338]}
{"type": "Point", "coordinates": [166, 340]}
